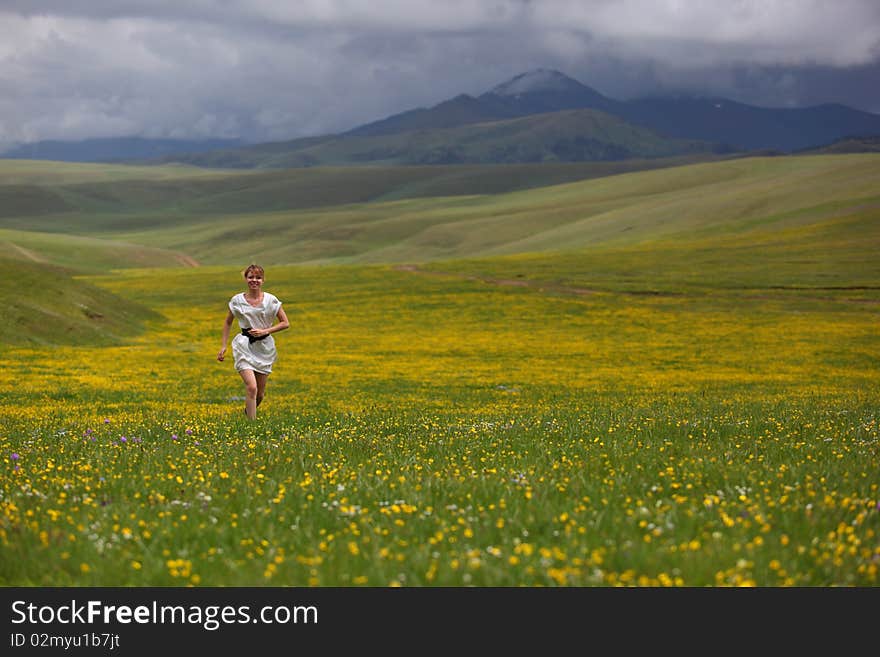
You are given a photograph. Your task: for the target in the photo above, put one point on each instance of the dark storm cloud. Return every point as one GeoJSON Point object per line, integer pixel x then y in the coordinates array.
{"type": "Point", "coordinates": [273, 69]}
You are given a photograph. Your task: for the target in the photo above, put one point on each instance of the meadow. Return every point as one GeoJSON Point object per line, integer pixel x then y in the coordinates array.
{"type": "Point", "coordinates": [669, 411]}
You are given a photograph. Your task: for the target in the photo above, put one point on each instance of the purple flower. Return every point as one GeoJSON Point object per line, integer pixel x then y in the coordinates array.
{"type": "Point", "coordinates": [123, 439]}
{"type": "Point", "coordinates": [106, 420]}
{"type": "Point", "coordinates": [189, 432]}
{"type": "Point", "coordinates": [14, 456]}
{"type": "Point", "coordinates": [173, 436]}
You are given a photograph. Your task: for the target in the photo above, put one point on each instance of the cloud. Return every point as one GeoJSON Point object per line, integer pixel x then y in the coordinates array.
{"type": "Point", "coordinates": [743, 31]}
{"type": "Point", "coordinates": [273, 69]}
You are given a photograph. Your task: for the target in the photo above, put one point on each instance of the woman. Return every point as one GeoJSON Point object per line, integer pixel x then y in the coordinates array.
{"type": "Point", "coordinates": [253, 350]}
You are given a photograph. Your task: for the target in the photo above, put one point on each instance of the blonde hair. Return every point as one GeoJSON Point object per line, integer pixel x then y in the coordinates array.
{"type": "Point", "coordinates": [253, 268]}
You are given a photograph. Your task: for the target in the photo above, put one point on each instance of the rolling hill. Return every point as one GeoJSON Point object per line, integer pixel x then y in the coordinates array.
{"type": "Point", "coordinates": [398, 214]}
{"type": "Point", "coordinates": [62, 309]}
{"type": "Point", "coordinates": [800, 222]}
{"type": "Point", "coordinates": [111, 149]}
{"type": "Point", "coordinates": [94, 198]}
{"type": "Point", "coordinates": [853, 144]}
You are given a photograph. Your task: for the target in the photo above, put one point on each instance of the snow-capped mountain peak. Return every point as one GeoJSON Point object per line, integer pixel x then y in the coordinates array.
{"type": "Point", "coordinates": [538, 80]}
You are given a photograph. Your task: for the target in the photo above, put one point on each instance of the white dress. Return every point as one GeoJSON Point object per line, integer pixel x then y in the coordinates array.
{"type": "Point", "coordinates": [259, 355]}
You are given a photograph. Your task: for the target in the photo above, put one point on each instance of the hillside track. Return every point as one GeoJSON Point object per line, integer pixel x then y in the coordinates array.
{"type": "Point", "coordinates": [26, 253]}
{"type": "Point", "coordinates": [187, 261]}
{"type": "Point", "coordinates": [556, 288]}
{"type": "Point", "coordinates": [512, 282]}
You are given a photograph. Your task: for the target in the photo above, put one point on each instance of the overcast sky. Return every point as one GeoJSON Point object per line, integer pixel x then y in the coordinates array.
{"type": "Point", "coordinates": [267, 70]}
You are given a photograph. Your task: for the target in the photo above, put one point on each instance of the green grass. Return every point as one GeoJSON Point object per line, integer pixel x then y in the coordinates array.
{"type": "Point", "coordinates": [428, 430]}
{"type": "Point", "coordinates": [651, 379]}
{"type": "Point", "coordinates": [90, 198]}
{"type": "Point", "coordinates": [44, 305]}
{"type": "Point", "coordinates": [755, 226]}
{"type": "Point", "coordinates": [348, 216]}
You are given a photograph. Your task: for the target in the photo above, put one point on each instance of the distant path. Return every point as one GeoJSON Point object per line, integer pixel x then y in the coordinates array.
{"type": "Point", "coordinates": [515, 282]}
{"type": "Point", "coordinates": [187, 261]}
{"type": "Point", "coordinates": [30, 255]}
{"type": "Point", "coordinates": [543, 286]}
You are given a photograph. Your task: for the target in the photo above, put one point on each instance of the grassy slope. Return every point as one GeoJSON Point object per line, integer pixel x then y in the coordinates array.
{"type": "Point", "coordinates": [52, 307]}
{"type": "Point", "coordinates": [83, 253]}
{"type": "Point", "coordinates": [792, 223]}
{"type": "Point", "coordinates": [735, 202]}
{"type": "Point", "coordinates": [117, 202]}
{"type": "Point", "coordinates": [805, 221]}
{"type": "Point", "coordinates": [92, 198]}
{"type": "Point", "coordinates": [382, 215]}
{"type": "Point", "coordinates": [43, 172]}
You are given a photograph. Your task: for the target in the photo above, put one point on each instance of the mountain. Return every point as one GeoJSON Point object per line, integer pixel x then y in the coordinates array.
{"type": "Point", "coordinates": [854, 144]}
{"type": "Point", "coordinates": [568, 121]}
{"type": "Point", "coordinates": [459, 111]}
{"type": "Point", "coordinates": [540, 116]}
{"type": "Point", "coordinates": [536, 92]}
{"type": "Point", "coordinates": [111, 149]}
{"type": "Point", "coordinates": [489, 128]}
{"type": "Point", "coordinates": [565, 136]}
{"type": "Point", "coordinates": [544, 90]}
{"type": "Point", "coordinates": [734, 125]}
{"type": "Point", "coordinates": [746, 127]}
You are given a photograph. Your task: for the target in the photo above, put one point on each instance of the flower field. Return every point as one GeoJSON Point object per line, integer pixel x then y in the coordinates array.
{"type": "Point", "coordinates": [444, 431]}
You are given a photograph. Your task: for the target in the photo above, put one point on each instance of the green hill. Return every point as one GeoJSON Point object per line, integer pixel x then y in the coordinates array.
{"type": "Point", "coordinates": [567, 136]}
{"type": "Point", "coordinates": [806, 221]}
{"type": "Point", "coordinates": [707, 201]}
{"type": "Point", "coordinates": [53, 307]}
{"type": "Point", "coordinates": [98, 199]}
{"type": "Point", "coordinates": [869, 144]}
{"type": "Point", "coordinates": [384, 215]}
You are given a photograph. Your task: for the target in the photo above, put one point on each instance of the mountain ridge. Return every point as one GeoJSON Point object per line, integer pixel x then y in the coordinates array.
{"type": "Point", "coordinates": [110, 149]}
{"type": "Point", "coordinates": [566, 136]}
{"type": "Point", "coordinates": [722, 125]}
{"type": "Point", "coordinates": [726, 122]}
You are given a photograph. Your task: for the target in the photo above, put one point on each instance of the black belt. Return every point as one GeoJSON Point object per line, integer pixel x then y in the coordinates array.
{"type": "Point", "coordinates": [252, 338]}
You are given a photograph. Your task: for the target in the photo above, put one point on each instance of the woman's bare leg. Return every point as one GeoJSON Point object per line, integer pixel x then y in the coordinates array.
{"type": "Point", "coordinates": [262, 379]}
{"type": "Point", "coordinates": [250, 392]}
